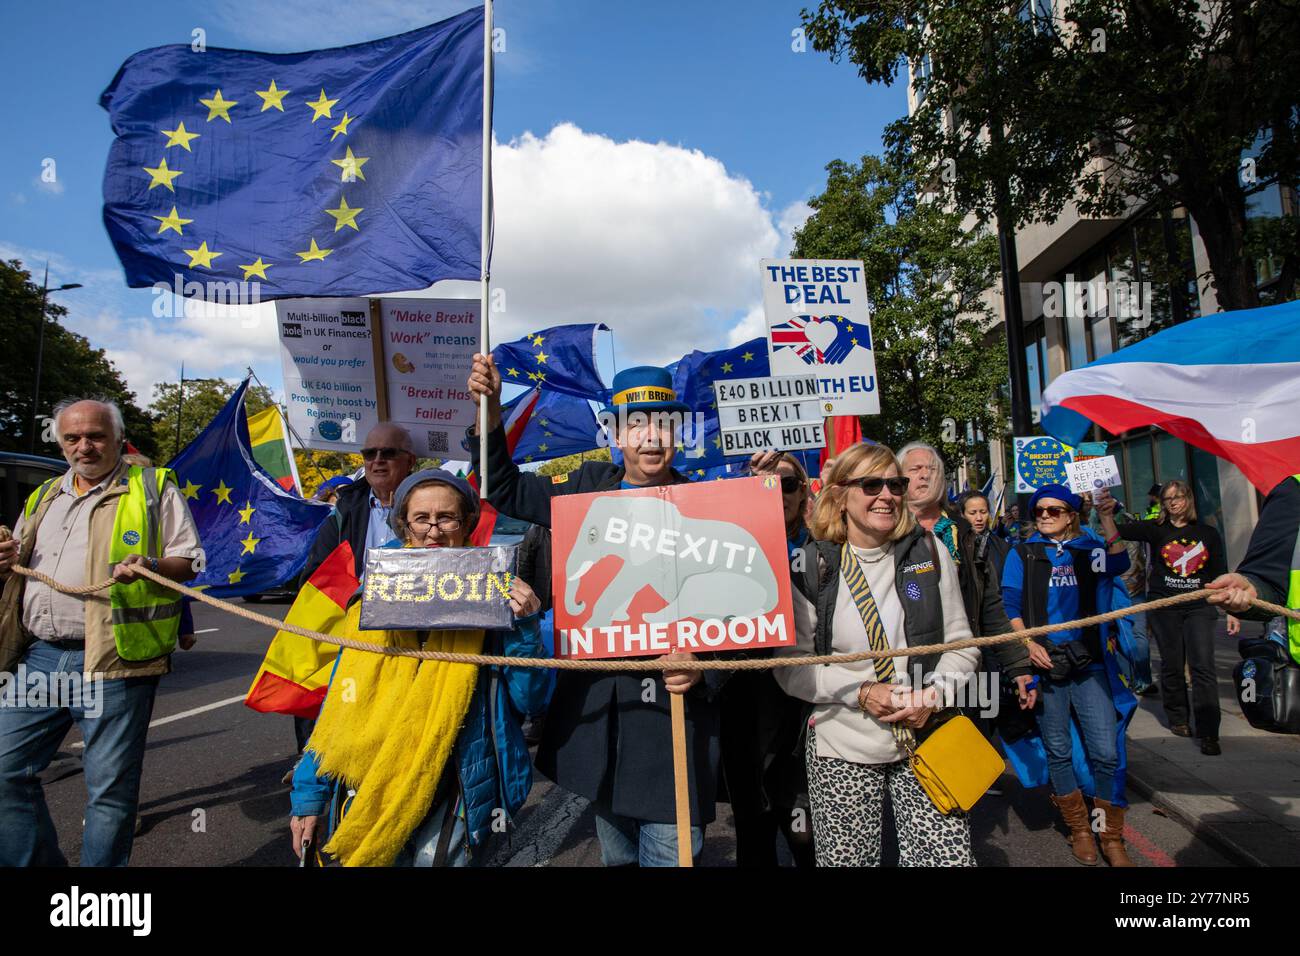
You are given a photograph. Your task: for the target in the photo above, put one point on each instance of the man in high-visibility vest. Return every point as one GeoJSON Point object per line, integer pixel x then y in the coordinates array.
{"type": "Point", "coordinates": [1270, 571]}
{"type": "Point", "coordinates": [94, 661]}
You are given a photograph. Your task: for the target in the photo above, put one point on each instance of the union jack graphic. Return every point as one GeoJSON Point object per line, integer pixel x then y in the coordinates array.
{"type": "Point", "coordinates": [792, 335]}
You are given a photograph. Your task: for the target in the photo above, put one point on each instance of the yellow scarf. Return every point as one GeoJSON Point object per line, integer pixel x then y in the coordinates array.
{"type": "Point", "coordinates": [387, 730]}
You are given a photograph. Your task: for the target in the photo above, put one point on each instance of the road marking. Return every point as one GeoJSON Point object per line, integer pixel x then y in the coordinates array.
{"type": "Point", "coordinates": [185, 713]}
{"type": "Point", "coordinates": [207, 630]}
{"type": "Point", "coordinates": [1148, 849]}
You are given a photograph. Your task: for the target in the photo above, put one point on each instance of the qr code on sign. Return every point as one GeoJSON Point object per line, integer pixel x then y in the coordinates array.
{"type": "Point", "coordinates": [438, 442]}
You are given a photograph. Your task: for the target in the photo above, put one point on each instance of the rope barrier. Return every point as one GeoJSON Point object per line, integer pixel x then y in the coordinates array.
{"type": "Point", "coordinates": [647, 664]}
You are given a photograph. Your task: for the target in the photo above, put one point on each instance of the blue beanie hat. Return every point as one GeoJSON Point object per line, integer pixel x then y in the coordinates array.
{"type": "Point", "coordinates": [440, 476]}
{"type": "Point", "coordinates": [1060, 493]}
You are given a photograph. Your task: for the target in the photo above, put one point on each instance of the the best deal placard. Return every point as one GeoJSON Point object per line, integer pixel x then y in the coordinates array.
{"type": "Point", "coordinates": [819, 321]}
{"type": "Point", "coordinates": [690, 567]}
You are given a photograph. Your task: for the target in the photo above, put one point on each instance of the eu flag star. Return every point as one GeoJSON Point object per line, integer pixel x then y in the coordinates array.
{"type": "Point", "coordinates": [217, 106]}
{"type": "Point", "coordinates": [173, 222]}
{"type": "Point", "coordinates": [191, 490]}
{"type": "Point", "coordinates": [314, 254]}
{"type": "Point", "coordinates": [202, 256]}
{"type": "Point", "coordinates": [223, 492]}
{"type": "Point", "coordinates": [341, 128]}
{"type": "Point", "coordinates": [250, 544]}
{"type": "Point", "coordinates": [272, 97]}
{"type": "Point", "coordinates": [345, 215]}
{"type": "Point", "coordinates": [246, 513]}
{"type": "Point", "coordinates": [179, 137]}
{"type": "Point", "coordinates": [160, 175]}
{"type": "Point", "coordinates": [236, 576]}
{"type": "Point", "coordinates": [321, 107]}
{"type": "Point", "coordinates": [351, 166]}
{"type": "Point", "coordinates": [257, 268]}
{"type": "Point", "coordinates": [726, 367]}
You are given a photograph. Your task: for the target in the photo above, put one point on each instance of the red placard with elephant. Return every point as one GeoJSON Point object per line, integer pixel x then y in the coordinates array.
{"type": "Point", "coordinates": [690, 567]}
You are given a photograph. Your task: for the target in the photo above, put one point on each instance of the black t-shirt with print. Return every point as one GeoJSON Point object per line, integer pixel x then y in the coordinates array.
{"type": "Point", "coordinates": [1182, 559]}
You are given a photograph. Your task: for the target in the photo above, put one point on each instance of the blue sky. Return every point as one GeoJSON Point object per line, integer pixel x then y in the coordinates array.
{"type": "Point", "coordinates": [710, 98]}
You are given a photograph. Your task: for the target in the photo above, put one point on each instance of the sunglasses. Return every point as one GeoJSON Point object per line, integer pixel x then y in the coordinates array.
{"type": "Point", "coordinates": [383, 454]}
{"type": "Point", "coordinates": [790, 484]}
{"type": "Point", "coordinates": [872, 486]}
{"type": "Point", "coordinates": [1051, 511]}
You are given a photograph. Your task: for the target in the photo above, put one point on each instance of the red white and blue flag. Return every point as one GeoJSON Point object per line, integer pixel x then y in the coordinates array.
{"type": "Point", "coordinates": [818, 340]}
{"type": "Point", "coordinates": [1228, 383]}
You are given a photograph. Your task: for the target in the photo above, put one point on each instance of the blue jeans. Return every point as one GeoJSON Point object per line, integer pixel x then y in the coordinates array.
{"type": "Point", "coordinates": [628, 842]}
{"type": "Point", "coordinates": [114, 719]}
{"type": "Point", "coordinates": [1141, 676]}
{"type": "Point", "coordinates": [1089, 697]}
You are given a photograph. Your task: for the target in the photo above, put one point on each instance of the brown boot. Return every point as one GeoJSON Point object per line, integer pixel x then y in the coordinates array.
{"type": "Point", "coordinates": [1112, 833]}
{"type": "Point", "coordinates": [1075, 814]}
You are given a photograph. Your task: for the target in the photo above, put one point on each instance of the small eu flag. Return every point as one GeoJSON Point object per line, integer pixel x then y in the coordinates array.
{"type": "Point", "coordinates": [693, 378]}
{"type": "Point", "coordinates": [330, 173]}
{"type": "Point", "coordinates": [255, 534]}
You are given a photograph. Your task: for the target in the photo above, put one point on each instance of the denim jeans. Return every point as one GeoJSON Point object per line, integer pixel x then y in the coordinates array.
{"type": "Point", "coordinates": [1141, 677]}
{"type": "Point", "coordinates": [114, 720]}
{"type": "Point", "coordinates": [1088, 696]}
{"type": "Point", "coordinates": [628, 842]}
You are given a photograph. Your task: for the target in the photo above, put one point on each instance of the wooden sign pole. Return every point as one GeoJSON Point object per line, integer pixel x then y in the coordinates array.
{"type": "Point", "coordinates": [381, 370]}
{"type": "Point", "coordinates": [681, 784]}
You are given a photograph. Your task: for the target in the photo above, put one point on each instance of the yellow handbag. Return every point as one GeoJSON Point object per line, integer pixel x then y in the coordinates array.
{"type": "Point", "coordinates": [955, 765]}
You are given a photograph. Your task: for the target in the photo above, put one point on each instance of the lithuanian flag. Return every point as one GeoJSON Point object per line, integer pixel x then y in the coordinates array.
{"type": "Point", "coordinates": [271, 447]}
{"type": "Point", "coordinates": [296, 672]}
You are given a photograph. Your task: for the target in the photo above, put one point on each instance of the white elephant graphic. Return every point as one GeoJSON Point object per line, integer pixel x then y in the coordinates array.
{"type": "Point", "coordinates": [693, 585]}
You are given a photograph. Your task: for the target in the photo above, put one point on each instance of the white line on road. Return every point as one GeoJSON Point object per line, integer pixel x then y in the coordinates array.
{"type": "Point", "coordinates": [207, 630]}
{"type": "Point", "coordinates": [184, 713]}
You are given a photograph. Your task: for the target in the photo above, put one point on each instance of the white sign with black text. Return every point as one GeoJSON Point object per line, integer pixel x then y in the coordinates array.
{"type": "Point", "coordinates": [782, 413]}
{"type": "Point", "coordinates": [1093, 474]}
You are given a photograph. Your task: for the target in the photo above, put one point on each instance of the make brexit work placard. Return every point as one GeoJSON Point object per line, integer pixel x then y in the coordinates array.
{"type": "Point", "coordinates": [651, 570]}
{"type": "Point", "coordinates": [781, 413]}
{"type": "Point", "coordinates": [438, 588]}
{"type": "Point", "coordinates": [819, 321]}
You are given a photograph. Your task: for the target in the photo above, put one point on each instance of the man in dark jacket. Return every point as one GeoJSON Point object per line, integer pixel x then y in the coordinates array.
{"type": "Point", "coordinates": [360, 515]}
{"type": "Point", "coordinates": [608, 736]}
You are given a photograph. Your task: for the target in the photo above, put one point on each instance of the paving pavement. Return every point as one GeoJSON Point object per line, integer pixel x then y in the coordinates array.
{"type": "Point", "coordinates": [1245, 803]}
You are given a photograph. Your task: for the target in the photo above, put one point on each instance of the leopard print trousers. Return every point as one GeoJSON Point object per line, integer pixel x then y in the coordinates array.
{"type": "Point", "coordinates": [847, 809]}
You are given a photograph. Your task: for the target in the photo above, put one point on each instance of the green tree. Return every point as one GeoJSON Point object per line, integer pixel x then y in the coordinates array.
{"type": "Point", "coordinates": [1107, 102]}
{"type": "Point", "coordinates": [70, 368]}
{"type": "Point", "coordinates": [937, 369]}
{"type": "Point", "coordinates": [203, 398]}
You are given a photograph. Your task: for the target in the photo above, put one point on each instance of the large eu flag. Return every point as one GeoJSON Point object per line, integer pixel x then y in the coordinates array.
{"type": "Point", "coordinates": [255, 534]}
{"type": "Point", "coordinates": [331, 173]}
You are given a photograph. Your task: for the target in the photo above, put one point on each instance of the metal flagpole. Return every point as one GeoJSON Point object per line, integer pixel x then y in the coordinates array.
{"type": "Point", "coordinates": [485, 344]}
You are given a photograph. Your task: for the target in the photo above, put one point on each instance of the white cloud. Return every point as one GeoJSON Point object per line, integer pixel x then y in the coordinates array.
{"type": "Point", "coordinates": [792, 217]}
{"type": "Point", "coordinates": [53, 187]}
{"type": "Point", "coordinates": [658, 241]}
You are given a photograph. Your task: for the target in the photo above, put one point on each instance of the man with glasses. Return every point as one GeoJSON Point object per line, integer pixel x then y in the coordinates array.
{"type": "Point", "coordinates": [360, 515]}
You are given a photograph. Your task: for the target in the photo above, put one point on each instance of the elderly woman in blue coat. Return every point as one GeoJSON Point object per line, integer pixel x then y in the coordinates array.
{"type": "Point", "coordinates": [418, 762]}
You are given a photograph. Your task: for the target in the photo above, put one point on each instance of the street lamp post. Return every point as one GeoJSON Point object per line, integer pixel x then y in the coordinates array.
{"type": "Point", "coordinates": [40, 352]}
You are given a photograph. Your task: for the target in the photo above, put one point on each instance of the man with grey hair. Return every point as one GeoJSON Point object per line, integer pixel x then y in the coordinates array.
{"type": "Point", "coordinates": [981, 589]}
{"type": "Point", "coordinates": [105, 651]}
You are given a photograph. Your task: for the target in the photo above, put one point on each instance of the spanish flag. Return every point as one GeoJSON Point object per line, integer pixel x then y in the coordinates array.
{"type": "Point", "coordinates": [296, 672]}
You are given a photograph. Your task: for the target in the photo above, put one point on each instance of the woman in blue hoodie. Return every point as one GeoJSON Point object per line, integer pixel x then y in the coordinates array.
{"type": "Point", "coordinates": [1063, 572]}
{"type": "Point", "coordinates": [417, 763]}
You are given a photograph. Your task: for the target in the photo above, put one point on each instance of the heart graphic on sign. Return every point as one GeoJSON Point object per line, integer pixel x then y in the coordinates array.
{"type": "Point", "coordinates": [1184, 557]}
{"type": "Point", "coordinates": [820, 333]}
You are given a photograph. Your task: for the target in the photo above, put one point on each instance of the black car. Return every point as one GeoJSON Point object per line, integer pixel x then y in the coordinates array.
{"type": "Point", "coordinates": [20, 475]}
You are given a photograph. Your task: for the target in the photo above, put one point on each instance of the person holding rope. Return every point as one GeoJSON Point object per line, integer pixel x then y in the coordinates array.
{"type": "Point", "coordinates": [1270, 571]}
{"type": "Point", "coordinates": [104, 518]}
{"type": "Point", "coordinates": [1061, 573]}
{"type": "Point", "coordinates": [607, 738]}
{"type": "Point", "coordinates": [412, 763]}
{"type": "Point", "coordinates": [1185, 555]}
{"type": "Point", "coordinates": [875, 580]}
